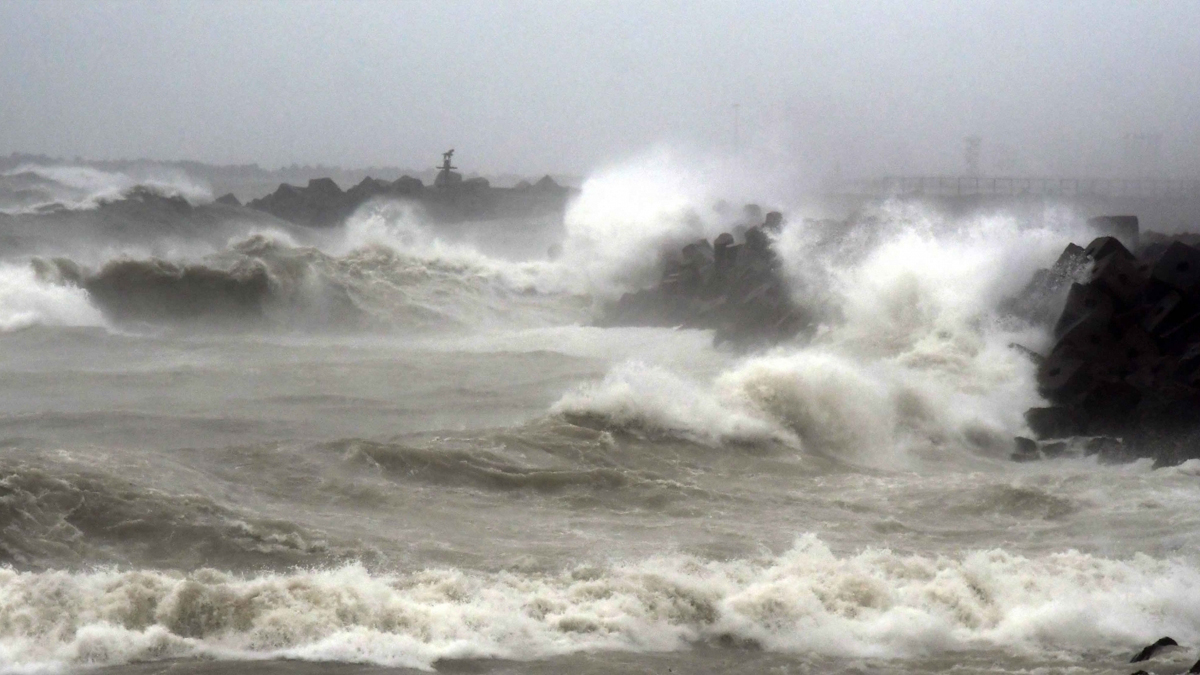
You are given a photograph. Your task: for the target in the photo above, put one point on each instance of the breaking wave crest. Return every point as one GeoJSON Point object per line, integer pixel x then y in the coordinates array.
{"type": "Point", "coordinates": [639, 396]}
{"type": "Point", "coordinates": [915, 361]}
{"type": "Point", "coordinates": [876, 603]}
{"type": "Point", "coordinates": [265, 280]}
{"type": "Point", "coordinates": [39, 189]}
{"type": "Point", "coordinates": [613, 236]}
{"type": "Point", "coordinates": [27, 300]}
{"type": "Point", "coordinates": [400, 226]}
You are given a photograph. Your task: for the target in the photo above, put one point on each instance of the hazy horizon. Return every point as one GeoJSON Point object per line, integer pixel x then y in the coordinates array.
{"type": "Point", "coordinates": [529, 88]}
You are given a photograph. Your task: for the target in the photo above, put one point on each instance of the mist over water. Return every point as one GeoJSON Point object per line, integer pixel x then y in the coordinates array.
{"type": "Point", "coordinates": [405, 443]}
{"type": "Point", "coordinates": [33, 188]}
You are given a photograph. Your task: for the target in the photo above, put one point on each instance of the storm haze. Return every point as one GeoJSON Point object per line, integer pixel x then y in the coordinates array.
{"type": "Point", "coordinates": [591, 337]}
{"type": "Point", "coordinates": [860, 89]}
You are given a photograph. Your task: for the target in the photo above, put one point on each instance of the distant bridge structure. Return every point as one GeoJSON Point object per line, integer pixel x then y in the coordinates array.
{"type": "Point", "coordinates": [950, 186]}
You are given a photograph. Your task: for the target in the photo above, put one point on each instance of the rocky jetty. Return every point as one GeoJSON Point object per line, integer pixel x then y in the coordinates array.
{"type": "Point", "coordinates": [322, 203]}
{"type": "Point", "coordinates": [1123, 374]}
{"type": "Point", "coordinates": [731, 286]}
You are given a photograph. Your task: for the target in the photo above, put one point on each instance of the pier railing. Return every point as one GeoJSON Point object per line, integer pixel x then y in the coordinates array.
{"type": "Point", "coordinates": [1014, 186]}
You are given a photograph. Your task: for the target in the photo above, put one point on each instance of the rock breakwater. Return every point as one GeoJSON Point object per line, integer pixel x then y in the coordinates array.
{"type": "Point", "coordinates": [1122, 377]}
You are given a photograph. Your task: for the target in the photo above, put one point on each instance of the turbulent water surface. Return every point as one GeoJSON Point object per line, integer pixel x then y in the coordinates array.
{"type": "Point", "coordinates": [229, 444]}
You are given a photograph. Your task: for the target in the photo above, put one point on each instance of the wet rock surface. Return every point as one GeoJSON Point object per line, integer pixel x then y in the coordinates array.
{"type": "Point", "coordinates": [1122, 376]}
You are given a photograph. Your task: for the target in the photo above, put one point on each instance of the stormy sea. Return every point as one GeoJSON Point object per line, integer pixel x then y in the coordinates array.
{"type": "Point", "coordinates": [233, 444]}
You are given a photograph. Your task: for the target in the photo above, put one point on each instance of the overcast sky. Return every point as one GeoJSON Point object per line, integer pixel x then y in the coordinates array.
{"type": "Point", "coordinates": [864, 87]}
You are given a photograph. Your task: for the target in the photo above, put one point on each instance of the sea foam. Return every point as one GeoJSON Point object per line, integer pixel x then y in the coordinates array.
{"type": "Point", "coordinates": [808, 599]}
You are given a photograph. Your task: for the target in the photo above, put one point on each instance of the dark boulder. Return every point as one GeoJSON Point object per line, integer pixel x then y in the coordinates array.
{"type": "Point", "coordinates": [1102, 247]}
{"type": "Point", "coordinates": [1055, 422]}
{"type": "Point", "coordinates": [1178, 267]}
{"type": "Point", "coordinates": [406, 185]}
{"type": "Point", "coordinates": [1038, 301]}
{"type": "Point", "coordinates": [724, 255]}
{"type": "Point", "coordinates": [1083, 302]}
{"type": "Point", "coordinates": [366, 189]}
{"type": "Point", "coordinates": [323, 188]}
{"type": "Point", "coordinates": [1070, 262]}
{"type": "Point", "coordinates": [1149, 651]}
{"type": "Point", "coordinates": [1125, 361]}
{"type": "Point", "coordinates": [1064, 378]}
{"type": "Point", "coordinates": [547, 184]}
{"type": "Point", "coordinates": [1120, 277]}
{"type": "Point", "coordinates": [321, 203]}
{"type": "Point", "coordinates": [737, 290]}
{"type": "Point", "coordinates": [773, 222]}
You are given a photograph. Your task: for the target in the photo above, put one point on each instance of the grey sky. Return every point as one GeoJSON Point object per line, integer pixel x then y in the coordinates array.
{"type": "Point", "coordinates": [1052, 87]}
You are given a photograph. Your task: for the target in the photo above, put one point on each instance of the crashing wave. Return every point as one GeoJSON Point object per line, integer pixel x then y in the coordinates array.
{"type": "Point", "coordinates": [266, 281]}
{"type": "Point", "coordinates": [44, 189]}
{"type": "Point", "coordinates": [915, 361]}
{"type": "Point", "coordinates": [873, 604]}
{"type": "Point", "coordinates": [27, 299]}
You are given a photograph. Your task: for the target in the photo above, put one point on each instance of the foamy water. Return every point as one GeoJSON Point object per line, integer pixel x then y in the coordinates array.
{"type": "Point", "coordinates": [26, 300]}
{"type": "Point", "coordinates": [404, 447]}
{"type": "Point", "coordinates": [806, 600]}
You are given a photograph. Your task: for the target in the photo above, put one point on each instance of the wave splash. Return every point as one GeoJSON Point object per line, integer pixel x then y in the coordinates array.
{"type": "Point", "coordinates": [915, 360]}
{"type": "Point", "coordinates": [155, 265]}
{"type": "Point", "coordinates": [29, 300]}
{"type": "Point", "coordinates": [876, 603]}
{"type": "Point", "coordinates": [39, 189]}
{"type": "Point", "coordinates": [268, 280]}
